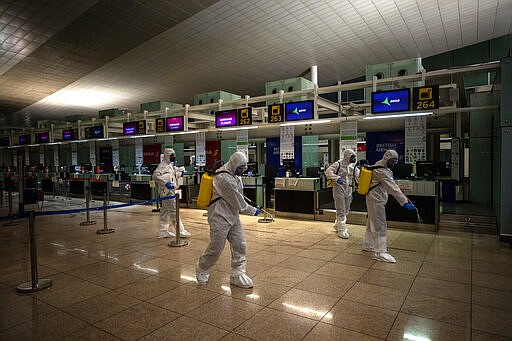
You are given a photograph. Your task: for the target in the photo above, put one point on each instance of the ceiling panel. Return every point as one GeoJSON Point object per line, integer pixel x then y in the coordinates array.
{"type": "Point", "coordinates": [117, 54]}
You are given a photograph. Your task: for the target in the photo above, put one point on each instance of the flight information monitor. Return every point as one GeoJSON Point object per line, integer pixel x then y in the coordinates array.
{"type": "Point", "coordinates": [390, 101]}
{"type": "Point", "coordinates": [297, 111]}
{"type": "Point", "coordinates": [43, 137]}
{"type": "Point", "coordinates": [93, 132]}
{"type": "Point", "coordinates": [174, 123]}
{"type": "Point", "coordinates": [226, 118]}
{"type": "Point", "coordinates": [129, 128]}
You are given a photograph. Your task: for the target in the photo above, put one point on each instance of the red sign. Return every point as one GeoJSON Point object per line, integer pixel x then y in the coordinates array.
{"type": "Point", "coordinates": [213, 155]}
{"type": "Point", "coordinates": [361, 146]}
{"type": "Point", "coordinates": [151, 153]}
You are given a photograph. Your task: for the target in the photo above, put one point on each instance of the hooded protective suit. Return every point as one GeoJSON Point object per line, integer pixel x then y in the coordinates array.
{"type": "Point", "coordinates": [166, 177]}
{"type": "Point", "coordinates": [223, 216]}
{"type": "Point", "coordinates": [375, 238]}
{"type": "Point", "coordinates": [342, 173]}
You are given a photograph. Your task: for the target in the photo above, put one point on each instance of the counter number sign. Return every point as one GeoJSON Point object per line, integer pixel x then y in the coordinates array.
{"type": "Point", "coordinates": [160, 125]}
{"type": "Point", "coordinates": [275, 113]}
{"type": "Point", "coordinates": [245, 116]}
{"type": "Point", "coordinates": [426, 97]}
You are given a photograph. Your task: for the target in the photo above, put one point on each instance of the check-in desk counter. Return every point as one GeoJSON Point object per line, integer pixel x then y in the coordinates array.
{"type": "Point", "coordinates": [299, 195]}
{"type": "Point", "coordinates": [253, 188]}
{"type": "Point", "coordinates": [189, 189]}
{"type": "Point", "coordinates": [423, 193]}
{"type": "Point", "coordinates": [100, 184]}
{"type": "Point", "coordinates": [140, 187]}
{"type": "Point", "coordinates": [77, 183]}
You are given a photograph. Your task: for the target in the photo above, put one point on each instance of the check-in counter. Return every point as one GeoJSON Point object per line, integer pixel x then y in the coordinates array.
{"type": "Point", "coordinates": [140, 187]}
{"type": "Point", "coordinates": [423, 193]}
{"type": "Point", "coordinates": [253, 188]}
{"type": "Point", "coordinates": [298, 195]}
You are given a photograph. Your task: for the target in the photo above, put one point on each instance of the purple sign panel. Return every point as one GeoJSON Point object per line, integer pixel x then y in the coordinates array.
{"type": "Point", "coordinates": [225, 118]}
{"type": "Point", "coordinates": [174, 123]}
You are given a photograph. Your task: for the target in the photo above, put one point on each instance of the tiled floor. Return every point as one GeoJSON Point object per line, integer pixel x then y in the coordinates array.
{"type": "Point", "coordinates": [308, 283]}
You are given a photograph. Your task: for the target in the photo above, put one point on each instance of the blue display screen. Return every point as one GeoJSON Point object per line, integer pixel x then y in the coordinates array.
{"type": "Point", "coordinates": [225, 118]}
{"type": "Point", "coordinates": [390, 101]}
{"type": "Point", "coordinates": [4, 142]}
{"type": "Point", "coordinates": [296, 111]}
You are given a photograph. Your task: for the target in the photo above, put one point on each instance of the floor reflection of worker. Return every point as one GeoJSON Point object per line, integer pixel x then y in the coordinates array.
{"type": "Point", "coordinates": [342, 174]}
{"type": "Point", "coordinates": [223, 217]}
{"type": "Point", "coordinates": [375, 238]}
{"type": "Point", "coordinates": [166, 177]}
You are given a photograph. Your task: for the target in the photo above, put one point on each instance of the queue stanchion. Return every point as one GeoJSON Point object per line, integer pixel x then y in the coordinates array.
{"type": "Point", "coordinates": [105, 229]}
{"type": "Point", "coordinates": [88, 221]}
{"type": "Point", "coordinates": [2, 197]}
{"type": "Point", "coordinates": [11, 222]}
{"type": "Point", "coordinates": [35, 284]}
{"type": "Point", "coordinates": [158, 203]}
{"type": "Point", "coordinates": [178, 241]}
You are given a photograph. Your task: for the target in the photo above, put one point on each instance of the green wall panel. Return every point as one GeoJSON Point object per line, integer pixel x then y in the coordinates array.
{"type": "Point", "coordinates": [227, 148]}
{"type": "Point", "coordinates": [309, 152]}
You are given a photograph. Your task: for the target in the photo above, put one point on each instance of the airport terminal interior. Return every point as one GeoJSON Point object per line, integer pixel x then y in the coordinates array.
{"type": "Point", "coordinates": [97, 96]}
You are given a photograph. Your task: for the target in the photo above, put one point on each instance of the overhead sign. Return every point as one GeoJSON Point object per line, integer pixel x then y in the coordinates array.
{"type": "Point", "coordinates": [174, 123]}
{"type": "Point", "coordinates": [425, 97]}
{"type": "Point", "coordinates": [390, 101]}
{"type": "Point", "coordinates": [93, 132]}
{"type": "Point", "coordinates": [275, 113]}
{"type": "Point", "coordinates": [160, 125]}
{"type": "Point", "coordinates": [296, 111]}
{"type": "Point", "coordinates": [227, 118]}
{"type": "Point", "coordinates": [134, 128]}
{"type": "Point", "coordinates": [245, 116]}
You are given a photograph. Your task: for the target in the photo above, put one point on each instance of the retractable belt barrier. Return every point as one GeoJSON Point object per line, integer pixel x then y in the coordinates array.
{"type": "Point", "coordinates": [99, 208]}
{"type": "Point", "coordinates": [37, 284]}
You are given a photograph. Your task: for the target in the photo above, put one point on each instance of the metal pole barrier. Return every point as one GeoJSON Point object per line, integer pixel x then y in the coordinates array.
{"type": "Point", "coordinates": [157, 195]}
{"type": "Point", "coordinates": [178, 242]}
{"type": "Point", "coordinates": [35, 284]}
{"type": "Point", "coordinates": [2, 197]}
{"type": "Point", "coordinates": [105, 230]}
{"type": "Point", "coordinates": [87, 201]}
{"type": "Point", "coordinates": [11, 222]}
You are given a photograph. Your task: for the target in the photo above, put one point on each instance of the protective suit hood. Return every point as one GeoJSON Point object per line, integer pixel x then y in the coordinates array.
{"type": "Point", "coordinates": [168, 152]}
{"type": "Point", "coordinates": [347, 154]}
{"type": "Point", "coordinates": [389, 154]}
{"type": "Point", "coordinates": [236, 160]}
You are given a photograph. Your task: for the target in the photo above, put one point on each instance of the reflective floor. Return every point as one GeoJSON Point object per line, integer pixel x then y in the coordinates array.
{"type": "Point", "coordinates": [308, 283]}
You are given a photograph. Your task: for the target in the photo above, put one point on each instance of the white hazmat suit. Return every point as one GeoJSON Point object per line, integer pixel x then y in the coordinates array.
{"type": "Point", "coordinates": [223, 217]}
{"type": "Point", "coordinates": [342, 174]}
{"type": "Point", "coordinates": [375, 238]}
{"type": "Point", "coordinates": [166, 177]}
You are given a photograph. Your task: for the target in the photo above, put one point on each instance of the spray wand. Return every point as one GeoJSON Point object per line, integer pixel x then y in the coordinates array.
{"type": "Point", "coordinates": [264, 220]}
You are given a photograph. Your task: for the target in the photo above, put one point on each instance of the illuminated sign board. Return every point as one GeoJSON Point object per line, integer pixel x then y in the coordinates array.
{"type": "Point", "coordinates": [160, 125]}
{"type": "Point", "coordinates": [70, 134]}
{"type": "Point", "coordinates": [226, 118]}
{"type": "Point", "coordinates": [275, 113]}
{"type": "Point", "coordinates": [43, 137]}
{"type": "Point", "coordinates": [245, 116]}
{"type": "Point", "coordinates": [425, 97]}
{"type": "Point", "coordinates": [174, 123]}
{"type": "Point", "coordinates": [129, 128]}
{"type": "Point", "coordinates": [134, 128]}
{"type": "Point", "coordinates": [297, 111]}
{"type": "Point", "coordinates": [93, 132]}
{"type": "Point", "coordinates": [24, 139]}
{"type": "Point", "coordinates": [390, 101]}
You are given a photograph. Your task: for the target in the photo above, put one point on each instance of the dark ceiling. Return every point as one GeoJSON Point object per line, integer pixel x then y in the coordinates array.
{"type": "Point", "coordinates": [76, 57]}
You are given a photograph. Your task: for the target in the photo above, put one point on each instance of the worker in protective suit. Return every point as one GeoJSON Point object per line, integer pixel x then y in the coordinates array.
{"type": "Point", "coordinates": [342, 174]}
{"type": "Point", "coordinates": [375, 238]}
{"type": "Point", "coordinates": [166, 177]}
{"type": "Point", "coordinates": [223, 216]}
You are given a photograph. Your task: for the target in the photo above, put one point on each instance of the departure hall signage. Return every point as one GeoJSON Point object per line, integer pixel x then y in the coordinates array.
{"type": "Point", "coordinates": [245, 116]}
{"type": "Point", "coordinates": [275, 113]}
{"type": "Point", "coordinates": [93, 132]}
{"type": "Point", "coordinates": [134, 128]}
{"type": "Point", "coordinates": [390, 101]}
{"type": "Point", "coordinates": [425, 97]}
